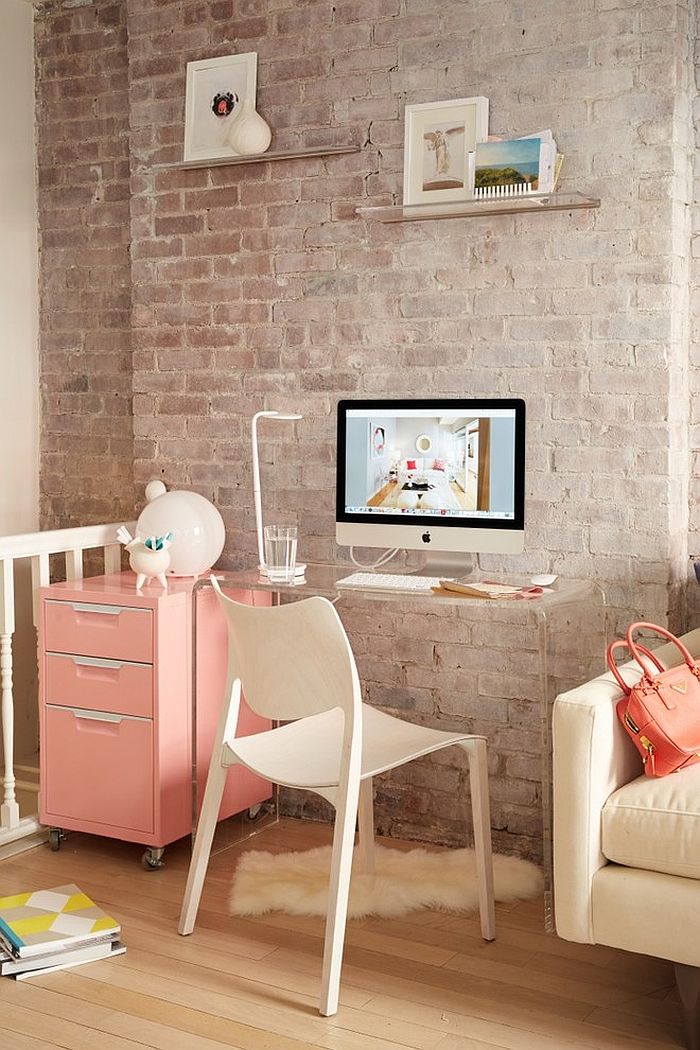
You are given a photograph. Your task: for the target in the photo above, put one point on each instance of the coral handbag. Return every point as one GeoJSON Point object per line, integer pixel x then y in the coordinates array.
{"type": "Point", "coordinates": [661, 712]}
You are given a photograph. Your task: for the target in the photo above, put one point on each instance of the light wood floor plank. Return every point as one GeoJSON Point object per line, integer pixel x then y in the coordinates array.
{"type": "Point", "coordinates": [265, 1009]}
{"type": "Point", "coordinates": [507, 1027]}
{"type": "Point", "coordinates": [10, 1037]}
{"type": "Point", "coordinates": [64, 1033]}
{"type": "Point", "coordinates": [186, 1016]}
{"type": "Point", "coordinates": [436, 984]}
{"type": "Point", "coordinates": [424, 982]}
{"type": "Point", "coordinates": [108, 1030]}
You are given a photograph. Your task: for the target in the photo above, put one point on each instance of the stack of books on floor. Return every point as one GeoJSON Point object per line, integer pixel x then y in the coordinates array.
{"type": "Point", "coordinates": [52, 930]}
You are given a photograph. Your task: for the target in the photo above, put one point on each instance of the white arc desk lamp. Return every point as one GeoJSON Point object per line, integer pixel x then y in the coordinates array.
{"type": "Point", "coordinates": [257, 500]}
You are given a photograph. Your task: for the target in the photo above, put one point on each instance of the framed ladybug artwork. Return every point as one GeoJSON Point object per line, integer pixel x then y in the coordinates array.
{"type": "Point", "coordinates": [216, 90]}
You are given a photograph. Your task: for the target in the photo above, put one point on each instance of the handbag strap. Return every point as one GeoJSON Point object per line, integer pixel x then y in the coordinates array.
{"type": "Point", "coordinates": [642, 650]}
{"type": "Point", "coordinates": [635, 649]}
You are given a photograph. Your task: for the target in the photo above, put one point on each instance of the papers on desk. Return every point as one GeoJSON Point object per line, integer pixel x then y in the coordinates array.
{"type": "Point", "coordinates": [486, 590]}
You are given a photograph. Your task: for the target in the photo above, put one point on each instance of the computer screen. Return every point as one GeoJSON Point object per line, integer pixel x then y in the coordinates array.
{"type": "Point", "coordinates": [446, 473]}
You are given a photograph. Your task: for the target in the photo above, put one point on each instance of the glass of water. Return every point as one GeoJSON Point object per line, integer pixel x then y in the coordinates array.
{"type": "Point", "coordinates": [280, 552]}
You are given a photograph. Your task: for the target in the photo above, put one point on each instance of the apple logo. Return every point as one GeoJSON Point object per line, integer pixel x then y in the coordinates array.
{"type": "Point", "coordinates": [426, 537]}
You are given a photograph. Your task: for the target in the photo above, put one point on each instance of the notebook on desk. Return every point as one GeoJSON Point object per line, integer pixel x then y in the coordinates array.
{"type": "Point", "coordinates": [394, 583]}
{"type": "Point", "coordinates": [486, 589]}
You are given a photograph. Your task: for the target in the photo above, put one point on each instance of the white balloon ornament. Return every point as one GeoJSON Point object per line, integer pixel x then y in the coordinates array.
{"type": "Point", "coordinates": [197, 528]}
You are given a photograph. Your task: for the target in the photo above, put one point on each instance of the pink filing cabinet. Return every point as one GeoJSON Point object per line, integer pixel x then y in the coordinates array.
{"type": "Point", "coordinates": [117, 715]}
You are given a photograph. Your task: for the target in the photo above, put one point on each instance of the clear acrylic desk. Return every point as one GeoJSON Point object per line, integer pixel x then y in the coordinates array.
{"type": "Point", "coordinates": [471, 664]}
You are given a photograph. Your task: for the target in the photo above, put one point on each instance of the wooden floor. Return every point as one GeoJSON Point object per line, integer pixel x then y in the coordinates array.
{"type": "Point", "coordinates": [427, 981]}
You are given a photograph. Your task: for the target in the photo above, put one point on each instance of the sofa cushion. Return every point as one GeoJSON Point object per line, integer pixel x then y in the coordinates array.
{"type": "Point", "coordinates": [654, 823]}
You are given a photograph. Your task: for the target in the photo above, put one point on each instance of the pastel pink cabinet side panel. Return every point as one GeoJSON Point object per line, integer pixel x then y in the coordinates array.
{"type": "Point", "coordinates": [243, 788]}
{"type": "Point", "coordinates": [173, 719]}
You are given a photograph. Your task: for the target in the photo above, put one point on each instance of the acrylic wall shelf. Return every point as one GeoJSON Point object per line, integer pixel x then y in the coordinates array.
{"type": "Point", "coordinates": [471, 209]}
{"type": "Point", "coordinates": [257, 158]}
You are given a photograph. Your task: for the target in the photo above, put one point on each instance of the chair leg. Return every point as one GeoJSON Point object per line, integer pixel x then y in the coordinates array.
{"type": "Point", "coordinates": [206, 826]}
{"type": "Point", "coordinates": [481, 817]}
{"type": "Point", "coordinates": [366, 827]}
{"type": "Point", "coordinates": [688, 984]}
{"type": "Point", "coordinates": [338, 891]}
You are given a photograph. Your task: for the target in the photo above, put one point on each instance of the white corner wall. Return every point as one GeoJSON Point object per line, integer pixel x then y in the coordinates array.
{"type": "Point", "coordinates": [19, 369]}
{"type": "Point", "coordinates": [19, 385]}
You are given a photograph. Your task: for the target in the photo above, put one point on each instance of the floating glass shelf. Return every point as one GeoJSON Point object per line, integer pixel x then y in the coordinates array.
{"type": "Point", "coordinates": [480, 208]}
{"type": "Point", "coordinates": [257, 158]}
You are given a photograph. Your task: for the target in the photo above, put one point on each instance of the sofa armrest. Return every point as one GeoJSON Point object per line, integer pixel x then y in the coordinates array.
{"type": "Point", "coordinates": [592, 757]}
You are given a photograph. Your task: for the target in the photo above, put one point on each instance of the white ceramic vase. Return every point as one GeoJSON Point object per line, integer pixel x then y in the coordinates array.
{"type": "Point", "coordinates": [197, 528]}
{"type": "Point", "coordinates": [249, 132]}
{"type": "Point", "coordinates": [148, 564]}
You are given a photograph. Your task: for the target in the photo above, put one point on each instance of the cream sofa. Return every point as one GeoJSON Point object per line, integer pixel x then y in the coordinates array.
{"type": "Point", "coordinates": [626, 847]}
{"type": "Point", "coordinates": [424, 470]}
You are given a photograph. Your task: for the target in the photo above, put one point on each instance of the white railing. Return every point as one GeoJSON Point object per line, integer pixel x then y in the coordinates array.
{"type": "Point", "coordinates": [37, 547]}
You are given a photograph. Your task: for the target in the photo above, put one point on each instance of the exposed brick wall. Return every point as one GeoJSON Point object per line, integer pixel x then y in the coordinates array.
{"type": "Point", "coordinates": [258, 286]}
{"type": "Point", "coordinates": [85, 286]}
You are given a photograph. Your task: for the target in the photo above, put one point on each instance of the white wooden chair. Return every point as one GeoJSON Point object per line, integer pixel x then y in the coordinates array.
{"type": "Point", "coordinates": [296, 665]}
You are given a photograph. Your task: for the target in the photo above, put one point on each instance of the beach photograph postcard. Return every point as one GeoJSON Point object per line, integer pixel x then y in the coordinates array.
{"type": "Point", "coordinates": [514, 162]}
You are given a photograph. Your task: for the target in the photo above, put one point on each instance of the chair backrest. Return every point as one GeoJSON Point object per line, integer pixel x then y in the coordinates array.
{"type": "Point", "coordinates": [293, 660]}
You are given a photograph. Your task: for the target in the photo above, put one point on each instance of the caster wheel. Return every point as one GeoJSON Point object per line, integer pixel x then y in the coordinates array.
{"type": "Point", "coordinates": [55, 839]}
{"type": "Point", "coordinates": [254, 812]}
{"type": "Point", "coordinates": [152, 859]}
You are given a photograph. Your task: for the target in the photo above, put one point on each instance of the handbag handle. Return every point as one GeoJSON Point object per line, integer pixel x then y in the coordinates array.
{"type": "Point", "coordinates": [634, 649]}
{"type": "Point", "coordinates": [620, 643]}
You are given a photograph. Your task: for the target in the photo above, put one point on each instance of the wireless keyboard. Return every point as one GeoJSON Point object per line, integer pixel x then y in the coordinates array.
{"type": "Point", "coordinates": [385, 581]}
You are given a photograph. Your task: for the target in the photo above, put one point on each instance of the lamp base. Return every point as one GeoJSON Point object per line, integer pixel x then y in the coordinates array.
{"type": "Point", "coordinates": [299, 570]}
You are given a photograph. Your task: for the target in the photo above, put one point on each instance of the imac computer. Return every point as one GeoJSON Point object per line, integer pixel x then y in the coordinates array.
{"type": "Point", "coordinates": [444, 476]}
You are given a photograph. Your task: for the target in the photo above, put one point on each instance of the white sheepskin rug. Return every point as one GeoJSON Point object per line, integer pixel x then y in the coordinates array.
{"type": "Point", "coordinates": [297, 883]}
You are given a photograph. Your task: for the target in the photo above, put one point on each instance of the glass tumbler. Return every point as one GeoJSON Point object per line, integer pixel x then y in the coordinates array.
{"type": "Point", "coordinates": [280, 552]}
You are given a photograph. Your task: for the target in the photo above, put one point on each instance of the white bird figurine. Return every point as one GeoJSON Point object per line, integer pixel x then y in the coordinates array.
{"type": "Point", "coordinates": [148, 558]}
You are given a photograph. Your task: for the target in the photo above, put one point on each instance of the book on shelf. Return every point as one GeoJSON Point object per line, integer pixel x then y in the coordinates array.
{"type": "Point", "coordinates": [46, 921]}
{"type": "Point", "coordinates": [51, 962]}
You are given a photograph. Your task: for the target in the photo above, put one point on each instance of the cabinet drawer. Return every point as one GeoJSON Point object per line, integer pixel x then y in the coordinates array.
{"type": "Point", "coordinates": [101, 685]}
{"type": "Point", "coordinates": [98, 767]}
{"type": "Point", "coordinates": [111, 631]}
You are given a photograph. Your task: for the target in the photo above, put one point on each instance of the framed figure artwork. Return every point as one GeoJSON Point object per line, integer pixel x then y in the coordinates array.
{"type": "Point", "coordinates": [217, 88]}
{"type": "Point", "coordinates": [377, 440]}
{"type": "Point", "coordinates": [439, 144]}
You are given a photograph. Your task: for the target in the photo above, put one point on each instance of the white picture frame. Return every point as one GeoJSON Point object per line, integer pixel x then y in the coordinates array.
{"type": "Point", "coordinates": [439, 143]}
{"type": "Point", "coordinates": [206, 134]}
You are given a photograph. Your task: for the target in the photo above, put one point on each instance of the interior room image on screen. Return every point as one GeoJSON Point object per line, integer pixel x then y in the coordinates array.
{"type": "Point", "coordinates": [421, 462]}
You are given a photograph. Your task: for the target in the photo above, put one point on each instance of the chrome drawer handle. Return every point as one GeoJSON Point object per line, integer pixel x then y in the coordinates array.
{"type": "Point", "coordinates": [93, 607]}
{"type": "Point", "coordinates": [98, 716]}
{"type": "Point", "coordinates": [107, 610]}
{"type": "Point", "coordinates": [94, 661]}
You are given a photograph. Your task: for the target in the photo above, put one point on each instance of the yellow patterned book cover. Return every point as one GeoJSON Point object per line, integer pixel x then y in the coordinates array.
{"type": "Point", "coordinates": [49, 920]}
